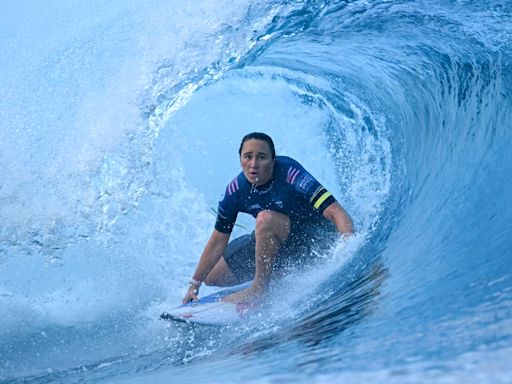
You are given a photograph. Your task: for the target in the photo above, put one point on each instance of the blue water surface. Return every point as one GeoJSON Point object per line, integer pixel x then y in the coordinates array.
{"type": "Point", "coordinates": [119, 129]}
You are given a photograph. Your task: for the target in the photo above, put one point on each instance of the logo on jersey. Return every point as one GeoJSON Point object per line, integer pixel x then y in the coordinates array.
{"type": "Point", "coordinates": [233, 186]}
{"type": "Point", "coordinates": [292, 175]}
{"type": "Point", "coordinates": [306, 183]}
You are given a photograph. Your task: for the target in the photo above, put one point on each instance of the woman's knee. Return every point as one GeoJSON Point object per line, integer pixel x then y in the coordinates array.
{"type": "Point", "coordinates": [221, 275]}
{"type": "Point", "coordinates": [274, 222]}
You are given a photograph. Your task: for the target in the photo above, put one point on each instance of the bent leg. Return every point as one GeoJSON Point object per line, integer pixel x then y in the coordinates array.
{"type": "Point", "coordinates": [221, 275]}
{"type": "Point", "coordinates": [272, 230]}
{"type": "Point", "coordinates": [237, 264]}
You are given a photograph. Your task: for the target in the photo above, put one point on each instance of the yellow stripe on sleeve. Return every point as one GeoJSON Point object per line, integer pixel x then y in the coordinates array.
{"type": "Point", "coordinates": [322, 199]}
{"type": "Point", "coordinates": [318, 190]}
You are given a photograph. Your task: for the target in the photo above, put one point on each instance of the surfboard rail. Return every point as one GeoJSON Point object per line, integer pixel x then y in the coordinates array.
{"type": "Point", "coordinates": [211, 310]}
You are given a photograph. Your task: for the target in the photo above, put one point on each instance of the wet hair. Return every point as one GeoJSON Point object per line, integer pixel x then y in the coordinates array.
{"type": "Point", "coordinates": [259, 136]}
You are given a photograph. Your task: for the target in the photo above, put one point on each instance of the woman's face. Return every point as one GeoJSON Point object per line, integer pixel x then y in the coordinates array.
{"type": "Point", "coordinates": [257, 162]}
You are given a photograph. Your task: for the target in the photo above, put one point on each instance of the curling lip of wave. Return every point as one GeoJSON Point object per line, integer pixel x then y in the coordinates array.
{"type": "Point", "coordinates": [413, 133]}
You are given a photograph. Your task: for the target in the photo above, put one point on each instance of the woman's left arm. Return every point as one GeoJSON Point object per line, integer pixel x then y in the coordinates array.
{"type": "Point", "coordinates": [335, 213]}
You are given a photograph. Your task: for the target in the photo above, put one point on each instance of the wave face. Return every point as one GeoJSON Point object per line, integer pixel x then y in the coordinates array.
{"type": "Point", "coordinates": [119, 129]}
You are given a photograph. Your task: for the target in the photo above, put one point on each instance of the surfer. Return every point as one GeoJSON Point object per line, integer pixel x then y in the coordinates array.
{"type": "Point", "coordinates": [293, 212]}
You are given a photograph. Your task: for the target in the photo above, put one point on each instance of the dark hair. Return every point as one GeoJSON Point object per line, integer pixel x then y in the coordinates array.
{"type": "Point", "coordinates": [259, 136]}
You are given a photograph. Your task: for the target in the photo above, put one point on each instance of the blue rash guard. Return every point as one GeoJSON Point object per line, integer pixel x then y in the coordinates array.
{"type": "Point", "coordinates": [291, 191]}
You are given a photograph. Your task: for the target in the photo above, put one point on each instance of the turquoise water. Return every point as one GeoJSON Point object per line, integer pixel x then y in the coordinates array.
{"type": "Point", "coordinates": [119, 129]}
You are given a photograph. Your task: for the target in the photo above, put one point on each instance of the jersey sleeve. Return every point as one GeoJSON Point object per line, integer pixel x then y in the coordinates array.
{"type": "Point", "coordinates": [227, 210]}
{"type": "Point", "coordinates": [309, 187]}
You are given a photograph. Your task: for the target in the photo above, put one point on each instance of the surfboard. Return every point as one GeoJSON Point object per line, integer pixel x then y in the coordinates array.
{"type": "Point", "coordinates": [211, 310]}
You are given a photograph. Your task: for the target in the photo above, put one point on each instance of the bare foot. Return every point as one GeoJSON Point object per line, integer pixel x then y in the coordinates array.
{"type": "Point", "coordinates": [249, 295]}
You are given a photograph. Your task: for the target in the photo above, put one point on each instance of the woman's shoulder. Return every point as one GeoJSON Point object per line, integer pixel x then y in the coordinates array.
{"type": "Point", "coordinates": [287, 166]}
{"type": "Point", "coordinates": [285, 161]}
{"type": "Point", "coordinates": [237, 183]}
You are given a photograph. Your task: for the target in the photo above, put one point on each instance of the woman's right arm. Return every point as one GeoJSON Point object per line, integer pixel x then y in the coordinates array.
{"type": "Point", "coordinates": [212, 252]}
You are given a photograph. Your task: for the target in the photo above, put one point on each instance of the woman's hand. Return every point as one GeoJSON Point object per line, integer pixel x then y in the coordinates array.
{"type": "Point", "coordinates": [191, 295]}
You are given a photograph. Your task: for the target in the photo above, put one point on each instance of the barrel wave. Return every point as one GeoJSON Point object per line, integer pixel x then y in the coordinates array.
{"type": "Point", "coordinates": [119, 130]}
